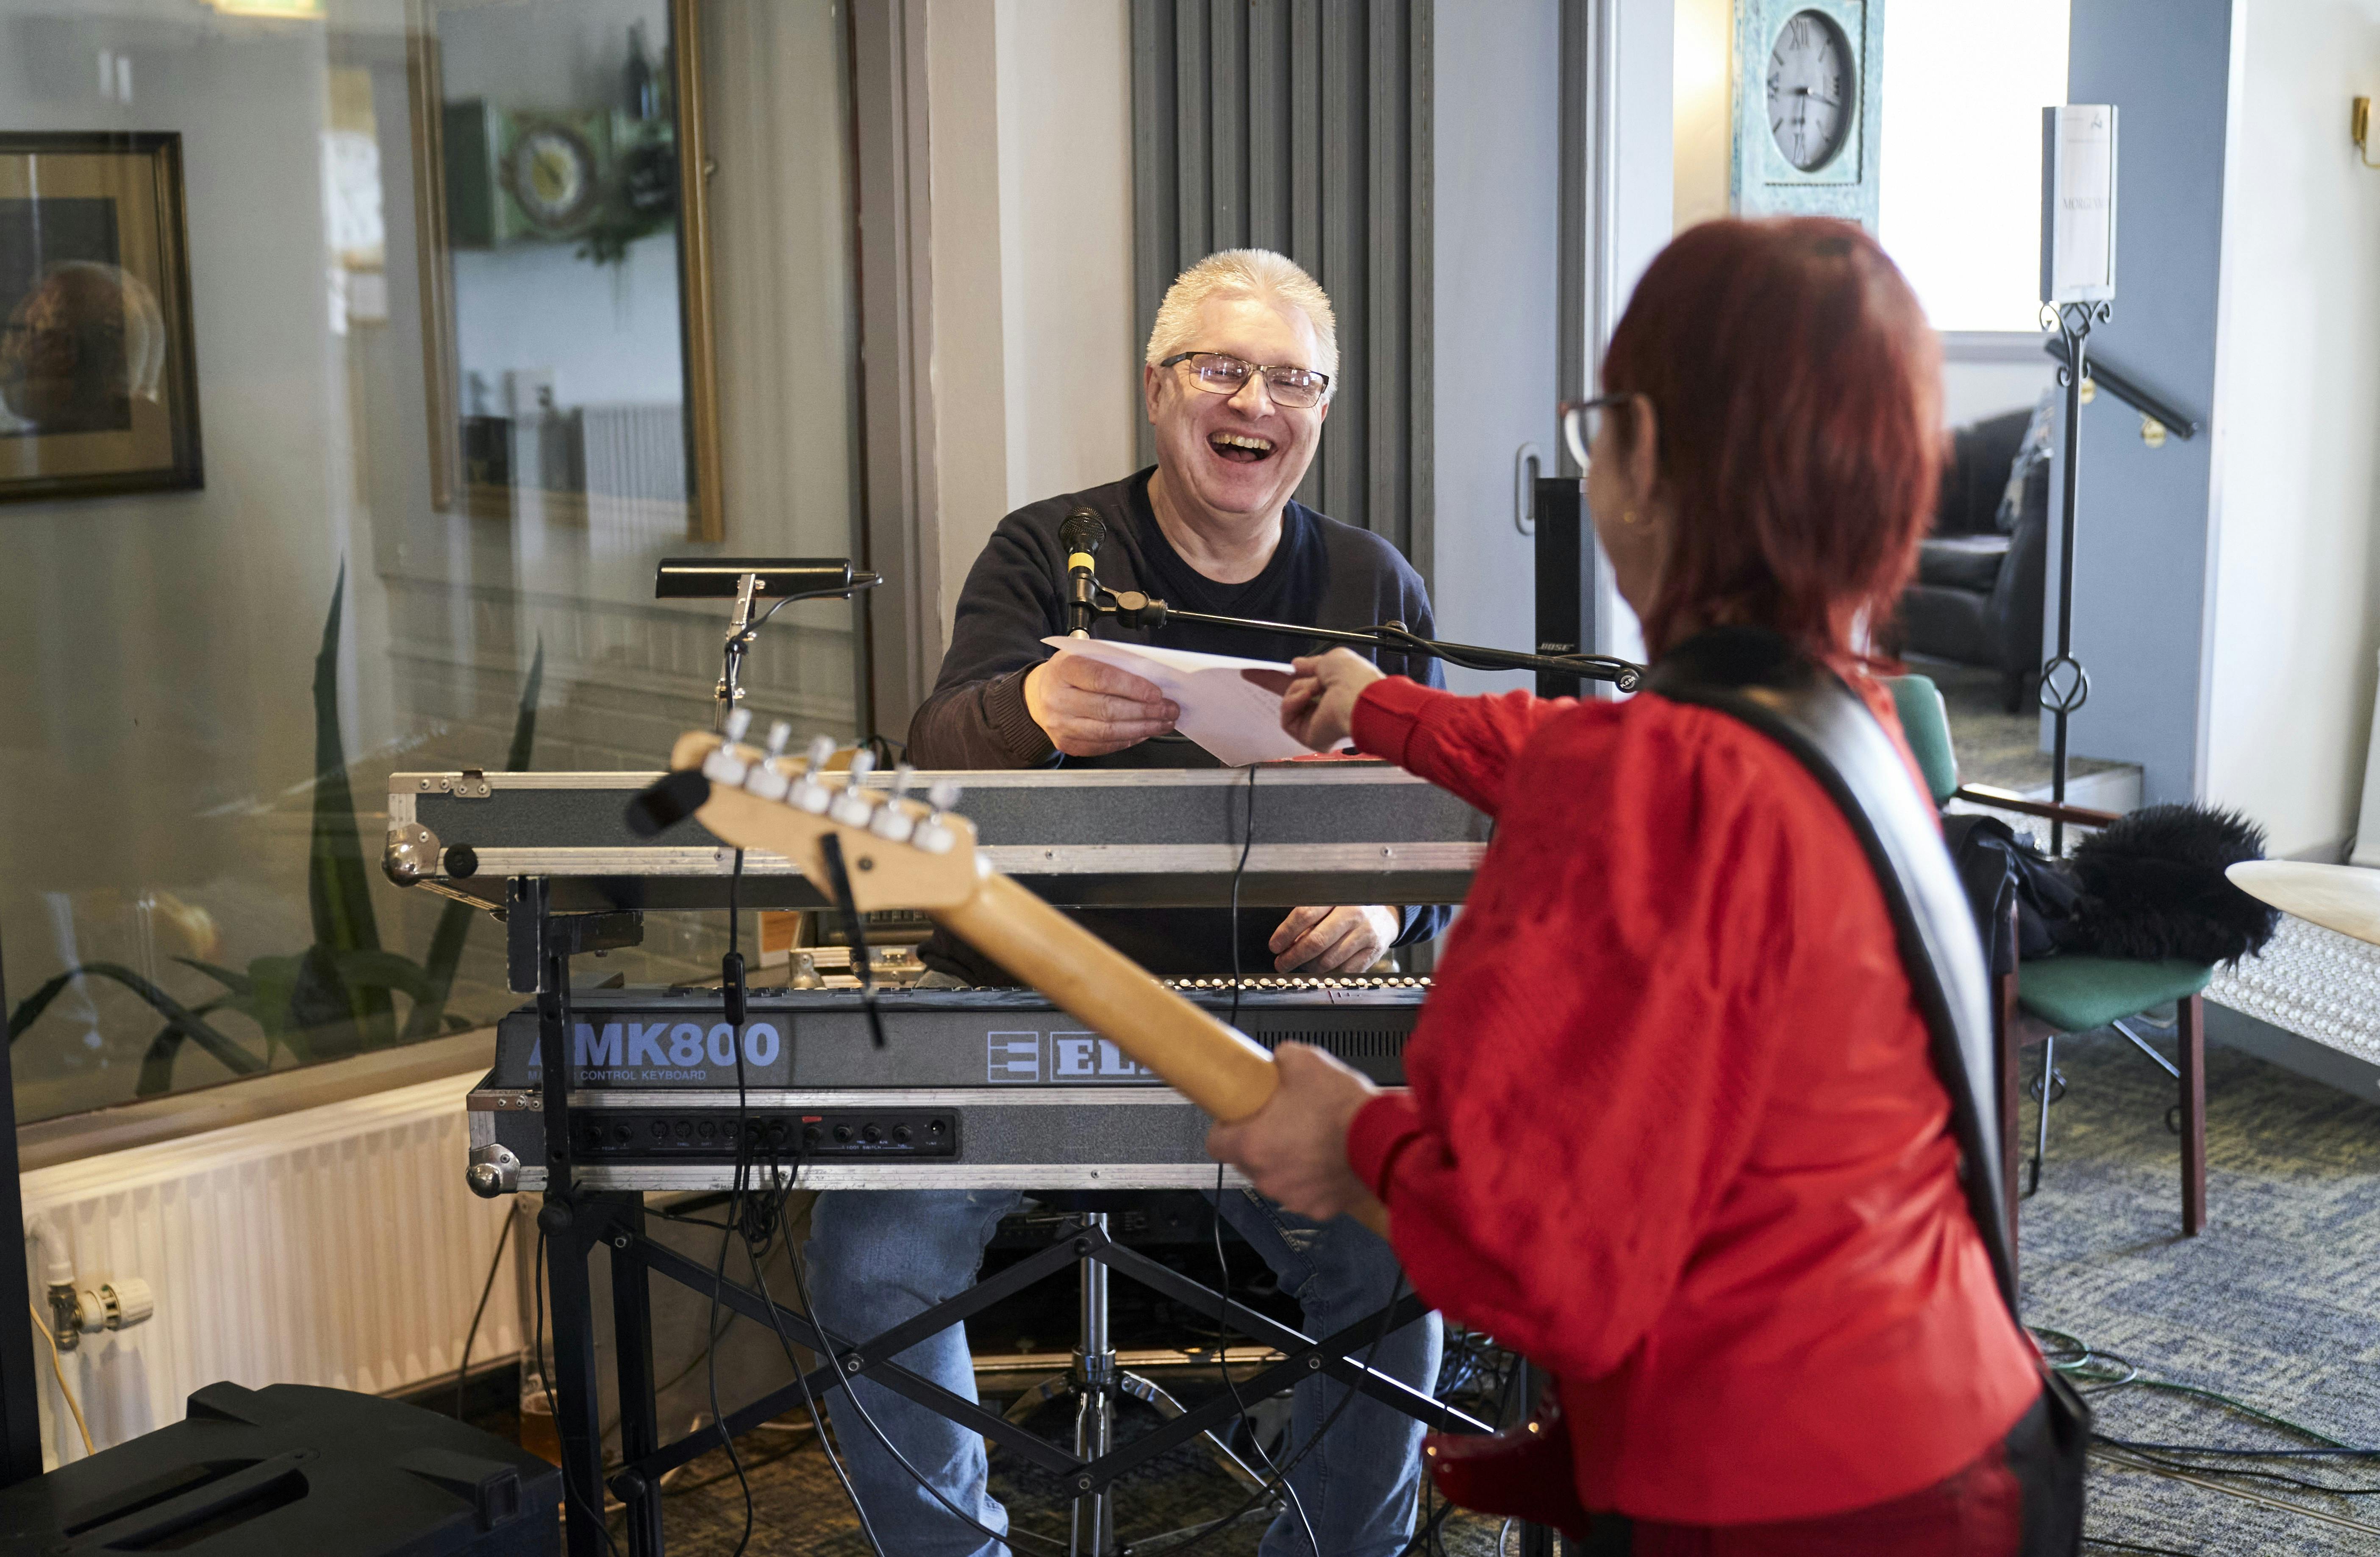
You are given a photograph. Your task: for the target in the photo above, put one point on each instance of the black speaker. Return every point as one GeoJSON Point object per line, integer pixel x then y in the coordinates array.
{"type": "Point", "coordinates": [299, 1471]}
{"type": "Point", "coordinates": [1565, 559]}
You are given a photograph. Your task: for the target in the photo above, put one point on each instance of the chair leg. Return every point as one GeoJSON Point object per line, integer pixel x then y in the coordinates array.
{"type": "Point", "coordinates": [2041, 1141]}
{"type": "Point", "coordinates": [2189, 1029]}
{"type": "Point", "coordinates": [2004, 1023]}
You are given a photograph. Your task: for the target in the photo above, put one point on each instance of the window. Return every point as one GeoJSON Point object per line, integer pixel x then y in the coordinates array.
{"type": "Point", "coordinates": [1963, 90]}
{"type": "Point", "coordinates": [438, 476]}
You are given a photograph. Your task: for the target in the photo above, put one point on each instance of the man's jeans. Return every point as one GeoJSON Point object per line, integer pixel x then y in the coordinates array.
{"type": "Point", "coordinates": [879, 1256]}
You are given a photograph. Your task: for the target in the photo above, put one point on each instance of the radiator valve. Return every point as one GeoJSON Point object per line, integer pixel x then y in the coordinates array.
{"type": "Point", "coordinates": [79, 1310]}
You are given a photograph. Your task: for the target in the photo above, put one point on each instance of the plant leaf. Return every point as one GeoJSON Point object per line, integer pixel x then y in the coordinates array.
{"type": "Point", "coordinates": [338, 888]}
{"type": "Point", "coordinates": [157, 1063]}
{"type": "Point", "coordinates": [381, 970]}
{"type": "Point", "coordinates": [454, 927]}
{"type": "Point", "coordinates": [191, 1025]}
{"type": "Point", "coordinates": [231, 979]}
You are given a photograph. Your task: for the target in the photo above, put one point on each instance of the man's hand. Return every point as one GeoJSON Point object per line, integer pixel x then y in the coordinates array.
{"type": "Point", "coordinates": [1089, 708]}
{"type": "Point", "coordinates": [1317, 703]}
{"type": "Point", "coordinates": [1295, 1149]}
{"type": "Point", "coordinates": [1327, 940]}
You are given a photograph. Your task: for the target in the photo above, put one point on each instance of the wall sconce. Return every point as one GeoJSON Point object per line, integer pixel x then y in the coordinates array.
{"type": "Point", "coordinates": [2360, 127]}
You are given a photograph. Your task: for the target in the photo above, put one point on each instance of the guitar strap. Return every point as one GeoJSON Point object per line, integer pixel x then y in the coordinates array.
{"type": "Point", "coordinates": [1757, 677]}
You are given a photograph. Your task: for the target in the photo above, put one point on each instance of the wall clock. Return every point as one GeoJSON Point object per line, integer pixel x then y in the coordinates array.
{"type": "Point", "coordinates": [1808, 96]}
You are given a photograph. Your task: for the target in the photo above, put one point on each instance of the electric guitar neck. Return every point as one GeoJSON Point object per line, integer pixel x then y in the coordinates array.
{"type": "Point", "coordinates": [897, 853]}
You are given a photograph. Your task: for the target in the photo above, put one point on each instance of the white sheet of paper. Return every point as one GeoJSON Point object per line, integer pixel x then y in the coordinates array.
{"type": "Point", "coordinates": [1232, 717]}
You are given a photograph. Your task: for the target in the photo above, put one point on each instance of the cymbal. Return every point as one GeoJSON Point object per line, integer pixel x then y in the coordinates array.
{"type": "Point", "coordinates": [2341, 897]}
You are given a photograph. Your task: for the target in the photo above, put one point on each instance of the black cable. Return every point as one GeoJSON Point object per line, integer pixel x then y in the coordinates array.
{"type": "Point", "coordinates": [462, 1370]}
{"type": "Point", "coordinates": [1248, 841]}
{"type": "Point", "coordinates": [553, 1408]}
{"type": "Point", "coordinates": [2136, 1546]}
{"type": "Point", "coordinates": [1224, 1350]}
{"type": "Point", "coordinates": [1215, 1210]}
{"type": "Point", "coordinates": [801, 1374]}
{"type": "Point", "coordinates": [682, 1487]}
{"type": "Point", "coordinates": [827, 1343]}
{"type": "Point", "coordinates": [731, 970]}
{"type": "Point", "coordinates": [1280, 1482]}
{"type": "Point", "coordinates": [854, 930]}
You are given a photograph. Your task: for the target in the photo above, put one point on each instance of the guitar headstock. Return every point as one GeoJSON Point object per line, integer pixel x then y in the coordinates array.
{"type": "Point", "coordinates": [897, 853]}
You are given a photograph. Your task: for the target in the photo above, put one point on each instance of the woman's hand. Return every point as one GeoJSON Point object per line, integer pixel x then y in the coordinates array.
{"type": "Point", "coordinates": [1317, 703]}
{"type": "Point", "coordinates": [1295, 1149]}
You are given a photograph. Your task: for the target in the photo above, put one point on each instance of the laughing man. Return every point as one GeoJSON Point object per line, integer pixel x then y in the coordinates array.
{"type": "Point", "coordinates": [1240, 371]}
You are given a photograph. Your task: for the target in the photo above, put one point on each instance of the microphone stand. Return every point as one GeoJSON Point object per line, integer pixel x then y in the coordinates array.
{"type": "Point", "coordinates": [1134, 609]}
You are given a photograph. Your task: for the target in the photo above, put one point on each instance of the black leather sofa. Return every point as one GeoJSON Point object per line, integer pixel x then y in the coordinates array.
{"type": "Point", "coordinates": [1977, 597]}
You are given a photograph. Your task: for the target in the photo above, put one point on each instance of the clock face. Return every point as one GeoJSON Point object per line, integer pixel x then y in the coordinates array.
{"type": "Point", "coordinates": [1813, 86]}
{"type": "Point", "coordinates": [552, 176]}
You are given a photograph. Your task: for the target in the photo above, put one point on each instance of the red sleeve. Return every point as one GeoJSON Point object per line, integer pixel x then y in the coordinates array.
{"type": "Point", "coordinates": [1588, 1074]}
{"type": "Point", "coordinates": [1461, 743]}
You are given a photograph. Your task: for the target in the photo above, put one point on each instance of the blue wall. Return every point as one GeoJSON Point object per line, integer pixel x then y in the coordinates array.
{"type": "Point", "coordinates": [2142, 552]}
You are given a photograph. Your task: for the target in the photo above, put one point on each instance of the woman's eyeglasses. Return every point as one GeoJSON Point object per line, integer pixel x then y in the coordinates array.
{"type": "Point", "coordinates": [1297, 388]}
{"type": "Point", "coordinates": [1582, 420]}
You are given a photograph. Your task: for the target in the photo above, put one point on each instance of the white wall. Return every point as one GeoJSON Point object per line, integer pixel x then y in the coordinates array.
{"type": "Point", "coordinates": [2008, 374]}
{"type": "Point", "coordinates": [606, 332]}
{"type": "Point", "coordinates": [969, 372]}
{"type": "Point", "coordinates": [2297, 572]}
{"type": "Point", "coordinates": [1035, 382]}
{"type": "Point", "coordinates": [1496, 83]}
{"type": "Point", "coordinates": [1065, 244]}
{"type": "Point", "coordinates": [1702, 116]}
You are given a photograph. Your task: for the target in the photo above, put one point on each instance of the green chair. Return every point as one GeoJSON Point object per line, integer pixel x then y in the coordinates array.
{"type": "Point", "coordinates": [2069, 994]}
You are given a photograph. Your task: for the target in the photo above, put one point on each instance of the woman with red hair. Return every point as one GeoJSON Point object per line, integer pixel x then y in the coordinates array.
{"type": "Point", "coordinates": [1673, 1130]}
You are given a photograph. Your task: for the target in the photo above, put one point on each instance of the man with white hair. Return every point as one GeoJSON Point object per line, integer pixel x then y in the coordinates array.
{"type": "Point", "coordinates": [1238, 378]}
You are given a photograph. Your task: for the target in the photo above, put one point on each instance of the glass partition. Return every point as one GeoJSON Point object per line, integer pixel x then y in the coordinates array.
{"type": "Point", "coordinates": [456, 394]}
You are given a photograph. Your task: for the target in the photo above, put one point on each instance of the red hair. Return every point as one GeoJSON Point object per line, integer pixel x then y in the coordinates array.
{"type": "Point", "coordinates": [1797, 391]}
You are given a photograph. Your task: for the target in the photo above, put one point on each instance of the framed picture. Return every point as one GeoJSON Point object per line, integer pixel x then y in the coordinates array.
{"type": "Point", "coordinates": [98, 377]}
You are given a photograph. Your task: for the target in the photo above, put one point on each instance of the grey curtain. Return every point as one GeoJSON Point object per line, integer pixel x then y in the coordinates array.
{"type": "Point", "coordinates": [1304, 126]}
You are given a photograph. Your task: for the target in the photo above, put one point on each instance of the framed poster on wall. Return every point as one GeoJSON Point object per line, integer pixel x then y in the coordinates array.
{"type": "Point", "coordinates": [98, 375]}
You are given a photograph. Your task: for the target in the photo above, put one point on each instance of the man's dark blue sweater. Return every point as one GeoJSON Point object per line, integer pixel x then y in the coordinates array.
{"type": "Point", "coordinates": [1323, 573]}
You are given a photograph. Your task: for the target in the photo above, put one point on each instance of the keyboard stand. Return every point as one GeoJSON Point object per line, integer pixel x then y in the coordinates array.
{"type": "Point", "coordinates": [1094, 1382]}
{"type": "Point", "coordinates": [540, 944]}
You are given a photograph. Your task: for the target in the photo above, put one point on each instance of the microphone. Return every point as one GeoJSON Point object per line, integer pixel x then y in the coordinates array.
{"type": "Point", "coordinates": [1081, 535]}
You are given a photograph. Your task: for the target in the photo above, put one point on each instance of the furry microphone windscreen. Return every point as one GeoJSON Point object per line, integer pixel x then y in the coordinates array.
{"type": "Point", "coordinates": [2154, 888]}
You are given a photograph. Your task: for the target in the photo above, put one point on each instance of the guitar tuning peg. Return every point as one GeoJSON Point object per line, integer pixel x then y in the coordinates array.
{"type": "Point", "coordinates": [767, 779]}
{"type": "Point", "coordinates": [934, 836]}
{"type": "Point", "coordinates": [809, 793]}
{"type": "Point", "coordinates": [724, 765]}
{"type": "Point", "coordinates": [850, 806]}
{"type": "Point", "coordinates": [892, 819]}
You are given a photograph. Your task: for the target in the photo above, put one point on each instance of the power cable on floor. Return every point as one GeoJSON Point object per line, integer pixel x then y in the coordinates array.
{"type": "Point", "coordinates": [59, 1369]}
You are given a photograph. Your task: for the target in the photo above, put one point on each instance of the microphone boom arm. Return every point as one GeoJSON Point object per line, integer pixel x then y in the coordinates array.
{"type": "Point", "coordinates": [1134, 609]}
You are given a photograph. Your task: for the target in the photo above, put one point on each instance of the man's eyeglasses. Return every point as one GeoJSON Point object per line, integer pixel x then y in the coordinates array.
{"type": "Point", "coordinates": [1582, 419]}
{"type": "Point", "coordinates": [1297, 388]}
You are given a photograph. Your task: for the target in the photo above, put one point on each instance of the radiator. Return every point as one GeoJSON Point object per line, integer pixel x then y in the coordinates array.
{"type": "Point", "coordinates": [635, 461]}
{"type": "Point", "coordinates": [334, 1246]}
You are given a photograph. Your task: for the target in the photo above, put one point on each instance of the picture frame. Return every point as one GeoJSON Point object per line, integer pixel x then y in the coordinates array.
{"type": "Point", "coordinates": [459, 443]}
{"type": "Point", "coordinates": [98, 363]}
